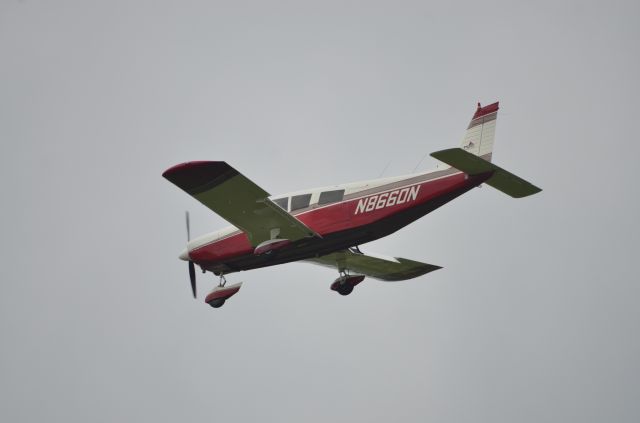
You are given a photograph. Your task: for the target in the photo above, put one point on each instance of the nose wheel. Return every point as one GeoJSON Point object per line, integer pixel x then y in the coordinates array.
{"type": "Point", "coordinates": [217, 303]}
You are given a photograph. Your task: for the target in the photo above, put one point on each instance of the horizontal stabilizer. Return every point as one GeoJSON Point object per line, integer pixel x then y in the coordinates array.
{"type": "Point", "coordinates": [501, 179]}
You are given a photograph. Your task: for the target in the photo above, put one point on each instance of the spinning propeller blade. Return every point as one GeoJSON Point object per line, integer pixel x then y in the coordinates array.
{"type": "Point", "coordinates": [192, 276]}
{"type": "Point", "coordinates": [192, 267]}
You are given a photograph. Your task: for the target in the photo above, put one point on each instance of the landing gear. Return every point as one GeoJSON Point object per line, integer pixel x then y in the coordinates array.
{"type": "Point", "coordinates": [356, 249]}
{"type": "Point", "coordinates": [345, 283]}
{"type": "Point", "coordinates": [223, 281]}
{"type": "Point", "coordinates": [222, 293]}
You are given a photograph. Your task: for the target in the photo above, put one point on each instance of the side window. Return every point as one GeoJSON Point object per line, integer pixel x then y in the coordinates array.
{"type": "Point", "coordinates": [282, 202]}
{"type": "Point", "coordinates": [300, 201]}
{"type": "Point", "coordinates": [331, 196]}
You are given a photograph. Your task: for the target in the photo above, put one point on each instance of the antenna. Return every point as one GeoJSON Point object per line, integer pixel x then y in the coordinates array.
{"type": "Point", "coordinates": [385, 169]}
{"type": "Point", "coordinates": [420, 162]}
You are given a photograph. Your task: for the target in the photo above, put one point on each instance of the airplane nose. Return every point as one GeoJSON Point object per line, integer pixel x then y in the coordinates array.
{"type": "Point", "coordinates": [184, 255]}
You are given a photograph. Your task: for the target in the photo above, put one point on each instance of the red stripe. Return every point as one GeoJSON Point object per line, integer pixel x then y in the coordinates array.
{"type": "Point", "coordinates": [483, 111]}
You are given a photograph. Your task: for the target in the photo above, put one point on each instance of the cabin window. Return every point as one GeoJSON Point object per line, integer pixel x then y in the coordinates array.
{"type": "Point", "coordinates": [282, 202]}
{"type": "Point", "coordinates": [300, 201]}
{"type": "Point", "coordinates": [331, 196]}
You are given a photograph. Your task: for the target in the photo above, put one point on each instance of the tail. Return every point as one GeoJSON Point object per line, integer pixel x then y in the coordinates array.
{"type": "Point", "coordinates": [474, 156]}
{"type": "Point", "coordinates": [478, 139]}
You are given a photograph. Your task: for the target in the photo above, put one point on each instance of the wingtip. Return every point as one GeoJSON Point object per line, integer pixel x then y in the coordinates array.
{"type": "Point", "coordinates": [180, 167]}
{"type": "Point", "coordinates": [192, 176]}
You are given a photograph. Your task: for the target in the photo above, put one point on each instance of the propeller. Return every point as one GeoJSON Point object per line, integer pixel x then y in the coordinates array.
{"type": "Point", "coordinates": [192, 266]}
{"type": "Point", "coordinates": [192, 276]}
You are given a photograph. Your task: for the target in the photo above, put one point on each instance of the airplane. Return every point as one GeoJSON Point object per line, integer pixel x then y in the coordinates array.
{"type": "Point", "coordinates": [326, 226]}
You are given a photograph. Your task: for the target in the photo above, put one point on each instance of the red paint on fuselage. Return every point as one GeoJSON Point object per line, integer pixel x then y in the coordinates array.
{"type": "Point", "coordinates": [334, 218]}
{"type": "Point", "coordinates": [428, 191]}
{"type": "Point", "coordinates": [221, 250]}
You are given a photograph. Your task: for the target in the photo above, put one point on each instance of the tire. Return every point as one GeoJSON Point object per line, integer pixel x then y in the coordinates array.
{"type": "Point", "coordinates": [217, 303]}
{"type": "Point", "coordinates": [345, 289]}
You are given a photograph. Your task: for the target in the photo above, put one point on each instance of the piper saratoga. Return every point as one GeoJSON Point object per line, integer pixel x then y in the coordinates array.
{"type": "Point", "coordinates": [327, 225]}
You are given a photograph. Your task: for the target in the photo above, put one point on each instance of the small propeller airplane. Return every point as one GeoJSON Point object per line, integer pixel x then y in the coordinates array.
{"type": "Point", "coordinates": [327, 225]}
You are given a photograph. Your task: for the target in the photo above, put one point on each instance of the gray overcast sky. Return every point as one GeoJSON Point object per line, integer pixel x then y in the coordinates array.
{"type": "Point", "coordinates": [533, 318]}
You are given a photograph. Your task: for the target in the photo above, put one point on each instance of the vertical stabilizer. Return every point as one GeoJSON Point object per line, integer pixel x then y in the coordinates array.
{"type": "Point", "coordinates": [478, 139]}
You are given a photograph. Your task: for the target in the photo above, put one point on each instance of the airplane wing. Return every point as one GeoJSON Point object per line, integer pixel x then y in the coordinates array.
{"type": "Point", "coordinates": [238, 200]}
{"type": "Point", "coordinates": [389, 269]}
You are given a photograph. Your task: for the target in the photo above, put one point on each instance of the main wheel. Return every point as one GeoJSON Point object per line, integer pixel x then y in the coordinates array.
{"type": "Point", "coordinates": [345, 289]}
{"type": "Point", "coordinates": [217, 303]}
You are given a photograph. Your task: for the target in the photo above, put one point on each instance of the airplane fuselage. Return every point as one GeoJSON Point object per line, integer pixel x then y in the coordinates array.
{"type": "Point", "coordinates": [357, 213]}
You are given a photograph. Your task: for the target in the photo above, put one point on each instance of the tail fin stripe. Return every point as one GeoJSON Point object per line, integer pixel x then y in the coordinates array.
{"type": "Point", "coordinates": [482, 119]}
{"type": "Point", "coordinates": [483, 111]}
